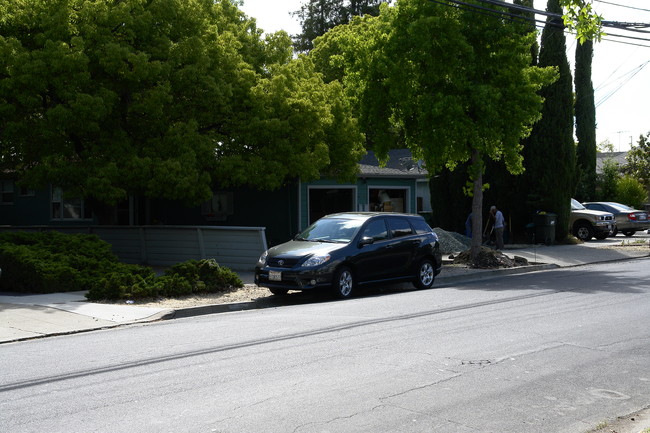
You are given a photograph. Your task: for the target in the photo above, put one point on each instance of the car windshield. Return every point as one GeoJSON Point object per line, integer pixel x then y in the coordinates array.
{"type": "Point", "coordinates": [331, 230]}
{"type": "Point", "coordinates": [575, 205]}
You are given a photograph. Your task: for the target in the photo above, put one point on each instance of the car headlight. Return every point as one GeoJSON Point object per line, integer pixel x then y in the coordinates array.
{"type": "Point", "coordinates": [262, 260]}
{"type": "Point", "coordinates": [316, 260]}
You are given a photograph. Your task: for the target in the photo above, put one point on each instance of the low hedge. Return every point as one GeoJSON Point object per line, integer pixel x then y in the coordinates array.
{"type": "Point", "coordinates": [47, 262]}
{"type": "Point", "coordinates": [183, 279]}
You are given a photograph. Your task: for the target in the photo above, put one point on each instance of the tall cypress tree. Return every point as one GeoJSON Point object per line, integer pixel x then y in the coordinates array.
{"type": "Point", "coordinates": [508, 191]}
{"type": "Point", "coordinates": [550, 156]}
{"type": "Point", "coordinates": [585, 122]}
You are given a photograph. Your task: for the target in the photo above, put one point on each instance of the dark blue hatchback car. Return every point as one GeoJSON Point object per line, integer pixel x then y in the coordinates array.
{"type": "Point", "coordinates": [343, 251]}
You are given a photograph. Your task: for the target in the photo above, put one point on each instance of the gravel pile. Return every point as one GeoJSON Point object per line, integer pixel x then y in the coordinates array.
{"type": "Point", "coordinates": [452, 242]}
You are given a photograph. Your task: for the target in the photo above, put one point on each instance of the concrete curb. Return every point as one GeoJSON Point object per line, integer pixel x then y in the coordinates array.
{"type": "Point", "coordinates": [476, 274]}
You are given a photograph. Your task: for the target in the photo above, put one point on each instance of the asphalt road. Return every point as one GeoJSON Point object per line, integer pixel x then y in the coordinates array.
{"type": "Point", "coordinates": [553, 351]}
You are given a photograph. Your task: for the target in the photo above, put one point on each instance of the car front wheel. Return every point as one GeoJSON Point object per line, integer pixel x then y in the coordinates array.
{"type": "Point", "coordinates": [343, 283]}
{"type": "Point", "coordinates": [425, 276]}
{"type": "Point", "coordinates": [583, 231]}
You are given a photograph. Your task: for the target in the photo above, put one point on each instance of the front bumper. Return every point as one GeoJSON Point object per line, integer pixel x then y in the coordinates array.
{"type": "Point", "coordinates": [604, 227]}
{"type": "Point", "coordinates": [292, 279]}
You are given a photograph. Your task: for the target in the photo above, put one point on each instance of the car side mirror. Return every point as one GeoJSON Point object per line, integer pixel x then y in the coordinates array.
{"type": "Point", "coordinates": [366, 240]}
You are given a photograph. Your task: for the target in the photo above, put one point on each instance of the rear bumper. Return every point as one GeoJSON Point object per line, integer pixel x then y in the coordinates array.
{"type": "Point", "coordinates": [633, 226]}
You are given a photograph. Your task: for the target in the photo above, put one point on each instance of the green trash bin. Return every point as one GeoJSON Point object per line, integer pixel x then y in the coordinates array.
{"type": "Point", "coordinates": [545, 227]}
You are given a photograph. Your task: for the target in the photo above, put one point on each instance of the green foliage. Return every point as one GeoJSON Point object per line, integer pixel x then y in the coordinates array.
{"type": "Point", "coordinates": [318, 16]}
{"type": "Point", "coordinates": [45, 262]}
{"type": "Point", "coordinates": [581, 18]}
{"type": "Point", "coordinates": [204, 276]}
{"type": "Point", "coordinates": [449, 84]}
{"type": "Point", "coordinates": [301, 125]}
{"type": "Point", "coordinates": [607, 180]}
{"type": "Point", "coordinates": [159, 98]}
{"type": "Point", "coordinates": [550, 153]}
{"type": "Point", "coordinates": [48, 262]}
{"type": "Point", "coordinates": [631, 192]}
{"type": "Point", "coordinates": [124, 282]}
{"type": "Point", "coordinates": [585, 119]}
{"type": "Point", "coordinates": [638, 161]}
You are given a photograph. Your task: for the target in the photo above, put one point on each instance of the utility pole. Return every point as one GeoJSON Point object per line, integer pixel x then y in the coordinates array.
{"type": "Point", "coordinates": [619, 139]}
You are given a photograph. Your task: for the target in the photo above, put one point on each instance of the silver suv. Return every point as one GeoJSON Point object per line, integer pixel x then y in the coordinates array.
{"type": "Point", "coordinates": [586, 224]}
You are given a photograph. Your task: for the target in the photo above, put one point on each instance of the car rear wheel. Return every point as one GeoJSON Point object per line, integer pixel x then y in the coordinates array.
{"type": "Point", "coordinates": [343, 283]}
{"type": "Point", "coordinates": [425, 276]}
{"type": "Point", "coordinates": [583, 231]}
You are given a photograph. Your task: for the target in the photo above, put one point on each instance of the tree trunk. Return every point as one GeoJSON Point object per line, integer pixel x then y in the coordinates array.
{"type": "Point", "coordinates": [477, 204]}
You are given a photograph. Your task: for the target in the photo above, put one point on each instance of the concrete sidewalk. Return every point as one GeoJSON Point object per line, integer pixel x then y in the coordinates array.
{"type": "Point", "coordinates": [25, 317]}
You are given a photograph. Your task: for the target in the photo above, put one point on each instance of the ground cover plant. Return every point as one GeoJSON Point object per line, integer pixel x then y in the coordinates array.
{"type": "Point", "coordinates": [48, 262]}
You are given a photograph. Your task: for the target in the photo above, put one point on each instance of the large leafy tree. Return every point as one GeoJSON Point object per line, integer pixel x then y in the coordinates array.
{"type": "Point", "coordinates": [456, 86]}
{"type": "Point", "coordinates": [161, 98]}
{"type": "Point", "coordinates": [318, 16]}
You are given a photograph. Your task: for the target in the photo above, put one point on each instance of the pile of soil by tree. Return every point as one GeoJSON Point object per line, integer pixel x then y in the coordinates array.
{"type": "Point", "coordinates": [488, 259]}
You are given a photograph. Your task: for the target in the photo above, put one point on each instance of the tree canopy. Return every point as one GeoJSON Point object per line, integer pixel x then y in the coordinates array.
{"type": "Point", "coordinates": [162, 98]}
{"type": "Point", "coordinates": [318, 16]}
{"type": "Point", "coordinates": [455, 85]}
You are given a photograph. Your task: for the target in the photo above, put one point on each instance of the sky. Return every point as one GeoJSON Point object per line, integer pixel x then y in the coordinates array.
{"type": "Point", "coordinates": [620, 71]}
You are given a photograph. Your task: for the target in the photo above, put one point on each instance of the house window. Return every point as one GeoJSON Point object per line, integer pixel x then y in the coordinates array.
{"type": "Point", "coordinates": [388, 199]}
{"type": "Point", "coordinates": [219, 208]}
{"type": "Point", "coordinates": [6, 191]}
{"type": "Point", "coordinates": [68, 208]}
{"type": "Point", "coordinates": [327, 200]}
{"type": "Point", "coordinates": [26, 192]}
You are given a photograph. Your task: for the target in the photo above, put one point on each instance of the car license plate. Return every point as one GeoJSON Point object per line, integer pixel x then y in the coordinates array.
{"type": "Point", "coordinates": [275, 276]}
{"type": "Point", "coordinates": [643, 217]}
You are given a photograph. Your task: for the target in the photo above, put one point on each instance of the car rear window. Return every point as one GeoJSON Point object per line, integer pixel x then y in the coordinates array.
{"type": "Point", "coordinates": [420, 226]}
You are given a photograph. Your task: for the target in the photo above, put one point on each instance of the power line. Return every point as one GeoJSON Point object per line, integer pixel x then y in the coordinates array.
{"type": "Point", "coordinates": [554, 19]}
{"type": "Point", "coordinates": [630, 75]}
{"type": "Point", "coordinates": [622, 6]}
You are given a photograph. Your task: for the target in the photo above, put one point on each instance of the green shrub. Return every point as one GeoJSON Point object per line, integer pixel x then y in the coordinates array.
{"type": "Point", "coordinates": [631, 192]}
{"type": "Point", "coordinates": [46, 262]}
{"type": "Point", "coordinates": [124, 282]}
{"type": "Point", "coordinates": [206, 276]}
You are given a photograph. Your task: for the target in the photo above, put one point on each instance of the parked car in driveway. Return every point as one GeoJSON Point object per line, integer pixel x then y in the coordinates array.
{"type": "Point", "coordinates": [586, 224]}
{"type": "Point", "coordinates": [343, 251]}
{"type": "Point", "coordinates": [628, 220]}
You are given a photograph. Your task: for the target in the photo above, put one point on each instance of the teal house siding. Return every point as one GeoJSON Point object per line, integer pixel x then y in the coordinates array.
{"type": "Point", "coordinates": [350, 197]}
{"type": "Point", "coordinates": [401, 185]}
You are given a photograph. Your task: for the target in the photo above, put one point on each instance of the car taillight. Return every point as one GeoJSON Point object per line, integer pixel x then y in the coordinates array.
{"type": "Point", "coordinates": [632, 216]}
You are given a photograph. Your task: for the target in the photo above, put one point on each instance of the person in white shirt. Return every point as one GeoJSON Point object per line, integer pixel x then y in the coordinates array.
{"type": "Point", "coordinates": [499, 224]}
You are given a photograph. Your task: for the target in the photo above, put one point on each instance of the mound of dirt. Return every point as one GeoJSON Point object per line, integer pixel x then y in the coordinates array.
{"type": "Point", "coordinates": [452, 242]}
{"type": "Point", "coordinates": [488, 259]}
